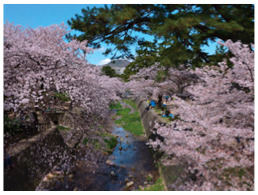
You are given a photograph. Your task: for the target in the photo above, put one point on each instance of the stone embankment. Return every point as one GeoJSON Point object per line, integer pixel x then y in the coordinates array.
{"type": "Point", "coordinates": [174, 175]}
{"type": "Point", "coordinates": [32, 158]}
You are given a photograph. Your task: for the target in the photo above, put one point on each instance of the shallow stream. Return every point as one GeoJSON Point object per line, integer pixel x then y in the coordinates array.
{"type": "Point", "coordinates": [129, 166]}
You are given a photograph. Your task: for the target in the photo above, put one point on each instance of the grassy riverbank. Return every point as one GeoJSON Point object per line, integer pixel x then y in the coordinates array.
{"type": "Point", "coordinates": [131, 103]}
{"type": "Point", "coordinates": [129, 120]}
{"type": "Point", "coordinates": [157, 186]}
{"type": "Point", "coordinates": [110, 141]}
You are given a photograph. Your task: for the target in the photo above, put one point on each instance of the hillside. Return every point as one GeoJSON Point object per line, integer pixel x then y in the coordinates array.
{"type": "Point", "coordinates": [118, 65]}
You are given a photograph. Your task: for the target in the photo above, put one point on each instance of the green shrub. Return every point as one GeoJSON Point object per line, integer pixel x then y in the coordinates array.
{"type": "Point", "coordinates": [12, 126]}
{"type": "Point", "coordinates": [157, 186]}
{"type": "Point", "coordinates": [62, 128]}
{"type": "Point", "coordinates": [109, 139]}
{"type": "Point", "coordinates": [111, 143]}
{"type": "Point", "coordinates": [64, 97]}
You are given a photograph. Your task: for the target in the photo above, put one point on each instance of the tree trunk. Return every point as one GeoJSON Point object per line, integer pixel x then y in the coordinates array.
{"type": "Point", "coordinates": [159, 101]}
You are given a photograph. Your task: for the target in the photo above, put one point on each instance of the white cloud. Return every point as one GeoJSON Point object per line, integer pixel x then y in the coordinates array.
{"type": "Point", "coordinates": [102, 49]}
{"type": "Point", "coordinates": [103, 62]}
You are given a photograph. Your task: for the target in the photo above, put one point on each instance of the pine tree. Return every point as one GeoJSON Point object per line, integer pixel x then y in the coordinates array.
{"type": "Point", "coordinates": [179, 31]}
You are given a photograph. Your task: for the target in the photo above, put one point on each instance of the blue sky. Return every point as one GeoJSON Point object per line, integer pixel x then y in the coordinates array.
{"type": "Point", "coordinates": [35, 15]}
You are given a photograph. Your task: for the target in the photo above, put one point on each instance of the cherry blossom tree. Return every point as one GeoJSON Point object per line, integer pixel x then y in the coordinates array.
{"type": "Point", "coordinates": [215, 132]}
{"type": "Point", "coordinates": [155, 81]}
{"type": "Point", "coordinates": [39, 62]}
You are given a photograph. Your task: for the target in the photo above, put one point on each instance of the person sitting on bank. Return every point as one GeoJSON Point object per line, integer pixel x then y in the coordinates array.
{"type": "Point", "coordinates": [170, 114]}
{"type": "Point", "coordinates": [152, 104]}
{"type": "Point", "coordinates": [167, 113]}
{"type": "Point", "coordinates": [162, 111]}
{"type": "Point", "coordinates": [172, 97]}
{"type": "Point", "coordinates": [166, 98]}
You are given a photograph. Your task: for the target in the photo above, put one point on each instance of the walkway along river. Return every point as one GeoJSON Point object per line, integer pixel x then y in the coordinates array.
{"type": "Point", "coordinates": [130, 166]}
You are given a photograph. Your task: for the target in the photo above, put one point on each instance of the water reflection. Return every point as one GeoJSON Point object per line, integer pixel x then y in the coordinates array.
{"type": "Point", "coordinates": [127, 168]}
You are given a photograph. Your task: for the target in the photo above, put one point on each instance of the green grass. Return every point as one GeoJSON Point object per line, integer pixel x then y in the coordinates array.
{"type": "Point", "coordinates": [62, 96]}
{"type": "Point", "coordinates": [123, 112]}
{"type": "Point", "coordinates": [12, 126]}
{"type": "Point", "coordinates": [111, 143]}
{"type": "Point", "coordinates": [148, 178]}
{"type": "Point", "coordinates": [113, 106]}
{"type": "Point", "coordinates": [131, 103]}
{"type": "Point", "coordinates": [165, 119]}
{"type": "Point", "coordinates": [62, 128]}
{"type": "Point", "coordinates": [85, 141]}
{"type": "Point", "coordinates": [236, 171]}
{"type": "Point", "coordinates": [109, 139]}
{"type": "Point", "coordinates": [157, 186]}
{"type": "Point", "coordinates": [130, 122]}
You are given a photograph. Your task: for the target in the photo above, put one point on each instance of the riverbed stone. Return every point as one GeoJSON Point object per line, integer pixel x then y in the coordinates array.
{"type": "Point", "coordinates": [45, 179]}
{"type": "Point", "coordinates": [58, 172]}
{"type": "Point", "coordinates": [112, 173]}
{"type": "Point", "coordinates": [50, 176]}
{"type": "Point", "coordinates": [129, 184]}
{"type": "Point", "coordinates": [71, 176]}
{"type": "Point", "coordinates": [150, 175]}
{"type": "Point", "coordinates": [110, 163]}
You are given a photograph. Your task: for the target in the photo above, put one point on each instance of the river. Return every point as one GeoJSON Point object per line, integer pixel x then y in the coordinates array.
{"type": "Point", "coordinates": [130, 166]}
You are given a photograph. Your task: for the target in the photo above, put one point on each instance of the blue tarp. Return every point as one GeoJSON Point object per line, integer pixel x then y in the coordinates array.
{"type": "Point", "coordinates": [153, 103]}
{"type": "Point", "coordinates": [170, 115]}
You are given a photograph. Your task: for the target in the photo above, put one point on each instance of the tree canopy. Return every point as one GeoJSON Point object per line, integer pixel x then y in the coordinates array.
{"type": "Point", "coordinates": [109, 71]}
{"type": "Point", "coordinates": [179, 31]}
{"type": "Point", "coordinates": [213, 131]}
{"type": "Point", "coordinates": [38, 63]}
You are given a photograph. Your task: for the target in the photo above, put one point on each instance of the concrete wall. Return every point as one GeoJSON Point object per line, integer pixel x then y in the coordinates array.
{"type": "Point", "coordinates": [148, 117]}
{"type": "Point", "coordinates": [174, 175]}
{"type": "Point", "coordinates": [32, 157]}
{"type": "Point", "coordinates": [32, 160]}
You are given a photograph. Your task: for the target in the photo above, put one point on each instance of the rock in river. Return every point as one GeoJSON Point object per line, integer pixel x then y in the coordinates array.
{"type": "Point", "coordinates": [129, 184]}
{"type": "Point", "coordinates": [112, 173]}
{"type": "Point", "coordinates": [110, 163]}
